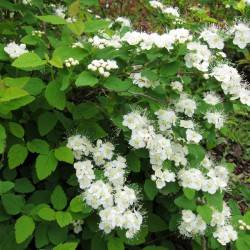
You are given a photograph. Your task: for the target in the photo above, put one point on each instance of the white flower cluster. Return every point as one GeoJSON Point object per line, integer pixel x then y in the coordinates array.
{"type": "Point", "coordinates": [147, 41]}
{"type": "Point", "coordinates": [71, 20]}
{"type": "Point", "coordinates": [174, 11]}
{"type": "Point", "coordinates": [71, 62]}
{"type": "Point", "coordinates": [199, 56]}
{"type": "Point", "coordinates": [103, 67]}
{"type": "Point", "coordinates": [215, 179]}
{"type": "Point", "coordinates": [176, 85]}
{"type": "Point", "coordinates": [191, 224]}
{"type": "Point", "coordinates": [27, 2]}
{"type": "Point", "coordinates": [14, 50]}
{"type": "Point", "coordinates": [37, 33]}
{"type": "Point", "coordinates": [142, 81]}
{"type": "Point", "coordinates": [241, 33]}
{"type": "Point", "coordinates": [77, 226]}
{"type": "Point", "coordinates": [231, 82]}
{"type": "Point", "coordinates": [216, 118]}
{"type": "Point", "coordinates": [106, 41]}
{"type": "Point", "coordinates": [212, 98]}
{"type": "Point", "coordinates": [186, 105]}
{"type": "Point", "coordinates": [212, 37]}
{"type": "Point", "coordinates": [59, 10]}
{"type": "Point", "coordinates": [115, 201]}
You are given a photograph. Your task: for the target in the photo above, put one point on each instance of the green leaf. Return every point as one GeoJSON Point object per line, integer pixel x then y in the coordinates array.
{"type": "Point", "coordinates": [38, 146]}
{"type": "Point", "coordinates": [115, 244]}
{"type": "Point", "coordinates": [58, 198]}
{"type": "Point", "coordinates": [66, 246]}
{"type": "Point", "coordinates": [17, 155]}
{"type": "Point", "coordinates": [150, 189]}
{"type": "Point", "coordinates": [2, 138]}
{"type": "Point", "coordinates": [41, 237]}
{"type": "Point", "coordinates": [24, 185]}
{"type": "Point", "coordinates": [215, 200]}
{"type": "Point", "coordinates": [85, 110]}
{"type": "Point", "coordinates": [56, 20]}
{"type": "Point", "coordinates": [156, 223]}
{"type": "Point", "coordinates": [45, 165]}
{"type": "Point", "coordinates": [169, 69]}
{"type": "Point", "coordinates": [155, 248]}
{"type": "Point", "coordinates": [133, 161]}
{"type": "Point", "coordinates": [16, 129]}
{"type": "Point", "coordinates": [57, 234]}
{"type": "Point", "coordinates": [185, 203]}
{"type": "Point", "coordinates": [12, 203]}
{"type": "Point", "coordinates": [64, 154]}
{"type": "Point", "coordinates": [97, 243]}
{"type": "Point", "coordinates": [205, 212]}
{"type": "Point", "coordinates": [47, 213]}
{"type": "Point", "coordinates": [28, 61]}
{"type": "Point", "coordinates": [189, 193]}
{"type": "Point", "coordinates": [86, 79]}
{"type": "Point", "coordinates": [5, 186]}
{"type": "Point", "coordinates": [92, 26]}
{"type": "Point", "coordinates": [63, 218]}
{"type": "Point", "coordinates": [78, 205]}
{"type": "Point", "coordinates": [55, 96]}
{"type": "Point", "coordinates": [116, 84]}
{"type": "Point", "coordinates": [24, 228]}
{"type": "Point", "coordinates": [46, 122]}
{"type": "Point", "coordinates": [196, 154]}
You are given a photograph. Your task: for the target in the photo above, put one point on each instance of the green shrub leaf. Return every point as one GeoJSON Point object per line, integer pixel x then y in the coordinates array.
{"type": "Point", "coordinates": [24, 228]}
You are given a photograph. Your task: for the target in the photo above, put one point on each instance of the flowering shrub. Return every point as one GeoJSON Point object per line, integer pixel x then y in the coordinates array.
{"type": "Point", "coordinates": [110, 135]}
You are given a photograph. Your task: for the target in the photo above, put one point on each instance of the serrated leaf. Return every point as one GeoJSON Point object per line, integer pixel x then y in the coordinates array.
{"type": "Point", "coordinates": [150, 189]}
{"type": "Point", "coordinates": [12, 203]}
{"type": "Point", "coordinates": [5, 186]}
{"type": "Point", "coordinates": [116, 84]}
{"type": "Point", "coordinates": [28, 61]}
{"type": "Point", "coordinates": [78, 205]}
{"type": "Point", "coordinates": [64, 154]}
{"type": "Point", "coordinates": [47, 213]}
{"type": "Point", "coordinates": [55, 96]}
{"type": "Point", "coordinates": [24, 228]}
{"type": "Point", "coordinates": [45, 165]}
{"type": "Point", "coordinates": [38, 146]}
{"type": "Point", "coordinates": [185, 203]}
{"type": "Point", "coordinates": [63, 218]}
{"type": "Point", "coordinates": [17, 155]}
{"type": "Point", "coordinates": [205, 212]}
{"type": "Point", "coordinates": [46, 122]}
{"type": "Point", "coordinates": [16, 129]}
{"type": "Point", "coordinates": [58, 198]}
{"type": "Point", "coordinates": [86, 79]}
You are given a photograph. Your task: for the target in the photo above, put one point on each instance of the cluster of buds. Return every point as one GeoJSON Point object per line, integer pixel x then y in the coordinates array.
{"type": "Point", "coordinates": [243, 225]}
{"type": "Point", "coordinates": [38, 33]}
{"type": "Point", "coordinates": [103, 67]}
{"type": "Point", "coordinates": [71, 62]}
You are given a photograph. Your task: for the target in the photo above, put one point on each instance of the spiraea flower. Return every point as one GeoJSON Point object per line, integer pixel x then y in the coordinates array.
{"type": "Point", "coordinates": [212, 98]}
{"type": "Point", "coordinates": [103, 67]}
{"type": "Point", "coordinates": [216, 118]}
{"type": "Point", "coordinates": [14, 50]}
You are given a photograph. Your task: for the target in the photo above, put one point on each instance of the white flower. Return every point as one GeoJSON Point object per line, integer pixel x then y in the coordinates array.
{"type": "Point", "coordinates": [14, 50]}
{"type": "Point", "coordinates": [176, 85]}
{"type": "Point", "coordinates": [77, 226]}
{"type": "Point", "coordinates": [241, 35]}
{"type": "Point", "coordinates": [132, 38]}
{"type": "Point", "coordinates": [135, 120]}
{"type": "Point", "coordinates": [179, 153]}
{"type": "Point", "coordinates": [166, 119]}
{"type": "Point", "coordinates": [245, 96]}
{"type": "Point", "coordinates": [191, 224]}
{"type": "Point", "coordinates": [161, 177]}
{"type": "Point", "coordinates": [103, 67]}
{"type": "Point", "coordinates": [220, 176]}
{"type": "Point", "coordinates": [193, 136]}
{"type": "Point", "coordinates": [211, 98]}
{"type": "Point", "coordinates": [221, 218]}
{"type": "Point", "coordinates": [123, 21]}
{"type": "Point", "coordinates": [212, 37]}
{"type": "Point", "coordinates": [198, 57]}
{"type": "Point", "coordinates": [210, 186]}
{"type": "Point", "coordinates": [216, 118]}
{"type": "Point", "coordinates": [84, 173]}
{"type": "Point", "coordinates": [80, 145]}
{"type": "Point", "coordinates": [191, 178]}
{"type": "Point", "coordinates": [187, 124]}
{"type": "Point", "coordinates": [142, 81]}
{"type": "Point", "coordinates": [124, 198]}
{"type": "Point", "coordinates": [60, 11]}
{"type": "Point", "coordinates": [186, 105]}
{"type": "Point", "coordinates": [225, 234]}
{"type": "Point", "coordinates": [99, 194]}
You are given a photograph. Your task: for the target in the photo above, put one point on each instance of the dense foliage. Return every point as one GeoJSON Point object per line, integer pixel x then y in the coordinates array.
{"type": "Point", "coordinates": [121, 134]}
